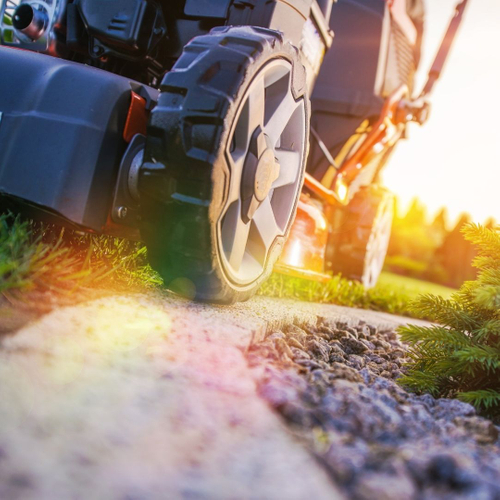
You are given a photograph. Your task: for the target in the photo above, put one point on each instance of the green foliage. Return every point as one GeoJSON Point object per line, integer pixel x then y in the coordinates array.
{"type": "Point", "coordinates": [461, 356]}
{"type": "Point", "coordinates": [413, 241]}
{"type": "Point", "coordinates": [486, 399]}
{"type": "Point", "coordinates": [407, 266]}
{"type": "Point", "coordinates": [41, 257]}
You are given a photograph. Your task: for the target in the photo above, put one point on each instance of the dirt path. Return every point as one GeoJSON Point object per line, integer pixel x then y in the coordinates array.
{"type": "Point", "coordinates": [146, 397]}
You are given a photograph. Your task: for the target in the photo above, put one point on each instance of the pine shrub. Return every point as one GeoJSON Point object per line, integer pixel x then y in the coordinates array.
{"type": "Point", "coordinates": [460, 355]}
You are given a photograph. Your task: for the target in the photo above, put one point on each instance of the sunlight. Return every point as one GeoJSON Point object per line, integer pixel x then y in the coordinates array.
{"type": "Point", "coordinates": [106, 331]}
{"type": "Point", "coordinates": [295, 254]}
{"type": "Point", "coordinates": [341, 188]}
{"type": "Point", "coordinates": [453, 160]}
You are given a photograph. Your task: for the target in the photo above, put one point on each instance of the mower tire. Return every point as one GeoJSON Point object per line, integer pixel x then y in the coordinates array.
{"type": "Point", "coordinates": [224, 163]}
{"type": "Point", "coordinates": [363, 239]}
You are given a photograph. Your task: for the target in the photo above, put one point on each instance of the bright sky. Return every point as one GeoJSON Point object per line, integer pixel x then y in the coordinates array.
{"type": "Point", "coordinates": [454, 160]}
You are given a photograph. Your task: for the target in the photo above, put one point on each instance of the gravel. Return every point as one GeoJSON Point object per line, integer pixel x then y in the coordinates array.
{"type": "Point", "coordinates": [335, 387]}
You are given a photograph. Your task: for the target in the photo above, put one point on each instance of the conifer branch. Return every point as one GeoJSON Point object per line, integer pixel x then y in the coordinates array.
{"type": "Point", "coordinates": [461, 355]}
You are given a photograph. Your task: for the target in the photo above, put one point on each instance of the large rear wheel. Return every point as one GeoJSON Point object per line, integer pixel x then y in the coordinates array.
{"type": "Point", "coordinates": [224, 163]}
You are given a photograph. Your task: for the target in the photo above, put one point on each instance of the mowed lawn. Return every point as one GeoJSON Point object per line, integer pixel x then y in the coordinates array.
{"type": "Point", "coordinates": [393, 293]}
{"type": "Point", "coordinates": [413, 287]}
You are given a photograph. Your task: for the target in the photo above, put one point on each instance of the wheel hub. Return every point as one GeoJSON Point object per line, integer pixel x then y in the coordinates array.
{"type": "Point", "coordinates": [261, 169]}
{"type": "Point", "coordinates": [265, 152]}
{"type": "Point", "coordinates": [265, 174]}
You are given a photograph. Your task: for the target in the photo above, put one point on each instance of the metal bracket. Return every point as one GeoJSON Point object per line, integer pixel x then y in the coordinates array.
{"type": "Point", "coordinates": [125, 207]}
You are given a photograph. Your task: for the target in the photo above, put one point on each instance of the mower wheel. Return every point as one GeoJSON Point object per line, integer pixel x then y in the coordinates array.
{"type": "Point", "coordinates": [364, 237]}
{"type": "Point", "coordinates": [224, 163]}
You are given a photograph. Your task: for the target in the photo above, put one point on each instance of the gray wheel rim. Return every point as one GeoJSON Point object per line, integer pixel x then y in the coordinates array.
{"type": "Point", "coordinates": [265, 154]}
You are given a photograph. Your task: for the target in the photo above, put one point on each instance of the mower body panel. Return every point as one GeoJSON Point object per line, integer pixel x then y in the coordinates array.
{"type": "Point", "coordinates": [61, 134]}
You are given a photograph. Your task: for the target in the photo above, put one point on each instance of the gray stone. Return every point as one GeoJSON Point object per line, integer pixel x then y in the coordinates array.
{"type": "Point", "coordinates": [483, 431]}
{"type": "Point", "coordinates": [339, 370]}
{"type": "Point", "coordinates": [451, 408]}
{"type": "Point", "coordinates": [275, 336]}
{"type": "Point", "coordinates": [356, 361]}
{"type": "Point", "coordinates": [372, 486]}
{"type": "Point", "coordinates": [383, 345]}
{"type": "Point", "coordinates": [319, 348]}
{"type": "Point", "coordinates": [299, 353]}
{"type": "Point", "coordinates": [282, 348]}
{"type": "Point", "coordinates": [356, 346]}
{"type": "Point", "coordinates": [370, 346]}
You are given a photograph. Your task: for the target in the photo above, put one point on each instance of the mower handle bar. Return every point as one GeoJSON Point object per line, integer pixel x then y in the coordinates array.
{"type": "Point", "coordinates": [444, 49]}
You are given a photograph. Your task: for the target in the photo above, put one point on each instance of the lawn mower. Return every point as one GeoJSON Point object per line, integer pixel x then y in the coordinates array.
{"type": "Point", "coordinates": [186, 124]}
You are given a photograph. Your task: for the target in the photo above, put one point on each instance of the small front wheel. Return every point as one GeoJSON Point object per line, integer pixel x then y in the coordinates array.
{"type": "Point", "coordinates": [364, 237]}
{"type": "Point", "coordinates": [224, 163]}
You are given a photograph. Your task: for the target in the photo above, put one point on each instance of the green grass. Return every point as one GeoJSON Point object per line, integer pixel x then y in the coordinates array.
{"type": "Point", "coordinates": [414, 287]}
{"type": "Point", "coordinates": [42, 257]}
{"type": "Point", "coordinates": [392, 294]}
